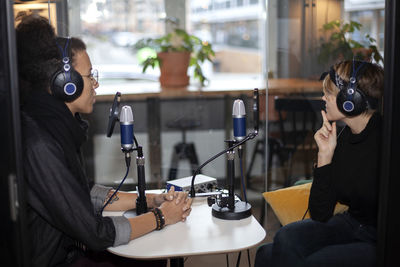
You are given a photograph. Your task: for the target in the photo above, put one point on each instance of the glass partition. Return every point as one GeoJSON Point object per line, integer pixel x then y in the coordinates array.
{"type": "Point", "coordinates": [278, 46]}
{"type": "Point", "coordinates": [179, 128]}
{"type": "Point", "coordinates": [304, 39]}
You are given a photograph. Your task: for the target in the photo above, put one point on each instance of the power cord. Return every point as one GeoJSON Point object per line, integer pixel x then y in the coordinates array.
{"type": "Point", "coordinates": [241, 175]}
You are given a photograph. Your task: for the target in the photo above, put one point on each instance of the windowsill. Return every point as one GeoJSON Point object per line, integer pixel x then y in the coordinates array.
{"type": "Point", "coordinates": [218, 83]}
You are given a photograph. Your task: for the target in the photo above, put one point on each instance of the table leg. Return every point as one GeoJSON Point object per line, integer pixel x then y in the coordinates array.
{"type": "Point", "coordinates": [176, 262]}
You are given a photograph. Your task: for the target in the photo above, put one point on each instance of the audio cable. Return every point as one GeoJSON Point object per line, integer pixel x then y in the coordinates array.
{"type": "Point", "coordinates": [242, 177]}
{"type": "Point", "coordinates": [119, 186]}
{"type": "Point", "coordinates": [128, 164]}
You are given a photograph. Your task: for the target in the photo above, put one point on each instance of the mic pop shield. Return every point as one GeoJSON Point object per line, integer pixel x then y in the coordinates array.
{"type": "Point", "coordinates": [126, 126]}
{"type": "Point", "coordinates": [239, 120]}
{"type": "Point", "coordinates": [113, 117]}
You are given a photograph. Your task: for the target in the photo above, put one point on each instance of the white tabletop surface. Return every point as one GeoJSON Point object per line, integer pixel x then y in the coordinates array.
{"type": "Point", "coordinates": [200, 234]}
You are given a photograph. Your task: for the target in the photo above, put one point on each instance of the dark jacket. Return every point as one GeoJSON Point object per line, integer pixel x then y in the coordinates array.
{"type": "Point", "coordinates": [61, 214]}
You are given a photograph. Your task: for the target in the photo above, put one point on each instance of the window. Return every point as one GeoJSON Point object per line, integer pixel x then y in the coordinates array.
{"type": "Point", "coordinates": [373, 22]}
{"type": "Point", "coordinates": [234, 31]}
{"type": "Point", "coordinates": [110, 30]}
{"type": "Point", "coordinates": [371, 14]}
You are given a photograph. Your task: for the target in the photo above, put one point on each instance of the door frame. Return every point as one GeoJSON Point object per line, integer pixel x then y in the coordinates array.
{"type": "Point", "coordinates": [388, 230]}
{"type": "Point", "coordinates": [15, 243]}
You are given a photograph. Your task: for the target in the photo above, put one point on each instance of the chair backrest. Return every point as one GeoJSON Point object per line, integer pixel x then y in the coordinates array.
{"type": "Point", "coordinates": [298, 117]}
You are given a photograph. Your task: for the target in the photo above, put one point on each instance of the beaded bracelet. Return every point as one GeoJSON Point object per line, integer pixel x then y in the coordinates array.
{"type": "Point", "coordinates": [160, 220]}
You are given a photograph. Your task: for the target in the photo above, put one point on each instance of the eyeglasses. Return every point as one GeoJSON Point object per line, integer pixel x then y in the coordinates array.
{"type": "Point", "coordinates": [94, 75]}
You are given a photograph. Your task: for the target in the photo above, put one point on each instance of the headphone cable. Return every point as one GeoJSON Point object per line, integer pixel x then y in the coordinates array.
{"type": "Point", "coordinates": [305, 214]}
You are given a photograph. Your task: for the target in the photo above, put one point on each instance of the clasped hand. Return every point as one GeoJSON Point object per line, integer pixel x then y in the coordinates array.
{"type": "Point", "coordinates": [175, 205]}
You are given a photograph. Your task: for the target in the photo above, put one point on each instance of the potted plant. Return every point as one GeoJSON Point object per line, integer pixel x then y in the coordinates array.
{"type": "Point", "coordinates": [339, 45]}
{"type": "Point", "coordinates": [175, 52]}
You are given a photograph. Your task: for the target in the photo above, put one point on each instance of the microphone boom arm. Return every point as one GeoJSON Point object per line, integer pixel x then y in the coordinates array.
{"type": "Point", "coordinates": [247, 138]}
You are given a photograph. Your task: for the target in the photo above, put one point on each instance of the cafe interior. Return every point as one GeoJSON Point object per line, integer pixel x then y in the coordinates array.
{"type": "Point", "coordinates": [235, 50]}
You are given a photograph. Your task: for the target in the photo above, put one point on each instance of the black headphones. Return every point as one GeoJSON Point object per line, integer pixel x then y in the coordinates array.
{"type": "Point", "coordinates": [66, 83]}
{"type": "Point", "coordinates": [350, 100]}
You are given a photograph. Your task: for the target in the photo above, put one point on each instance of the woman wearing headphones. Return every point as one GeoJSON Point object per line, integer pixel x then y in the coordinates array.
{"type": "Point", "coordinates": [347, 171]}
{"type": "Point", "coordinates": [64, 210]}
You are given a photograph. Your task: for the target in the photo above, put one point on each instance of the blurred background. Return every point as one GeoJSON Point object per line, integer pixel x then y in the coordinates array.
{"type": "Point", "coordinates": [280, 47]}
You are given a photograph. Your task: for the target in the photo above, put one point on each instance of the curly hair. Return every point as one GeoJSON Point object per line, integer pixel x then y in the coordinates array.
{"type": "Point", "coordinates": [39, 56]}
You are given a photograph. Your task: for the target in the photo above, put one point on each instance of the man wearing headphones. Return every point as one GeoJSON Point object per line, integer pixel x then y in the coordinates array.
{"type": "Point", "coordinates": [347, 171]}
{"type": "Point", "coordinates": [66, 227]}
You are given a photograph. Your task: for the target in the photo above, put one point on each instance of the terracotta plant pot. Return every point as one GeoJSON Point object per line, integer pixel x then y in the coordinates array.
{"type": "Point", "coordinates": [362, 53]}
{"type": "Point", "coordinates": [173, 68]}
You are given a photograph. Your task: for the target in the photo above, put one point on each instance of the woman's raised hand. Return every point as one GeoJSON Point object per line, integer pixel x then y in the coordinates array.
{"type": "Point", "coordinates": [326, 141]}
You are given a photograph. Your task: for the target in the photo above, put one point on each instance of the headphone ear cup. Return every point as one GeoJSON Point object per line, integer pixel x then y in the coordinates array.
{"type": "Point", "coordinates": [353, 107]}
{"type": "Point", "coordinates": [67, 89]}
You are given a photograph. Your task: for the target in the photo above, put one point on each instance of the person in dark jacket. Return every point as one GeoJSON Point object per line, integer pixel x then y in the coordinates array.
{"type": "Point", "coordinates": [347, 171]}
{"type": "Point", "coordinates": [64, 210]}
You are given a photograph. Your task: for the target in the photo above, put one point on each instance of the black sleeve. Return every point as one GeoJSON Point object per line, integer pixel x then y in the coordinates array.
{"type": "Point", "coordinates": [61, 199]}
{"type": "Point", "coordinates": [322, 199]}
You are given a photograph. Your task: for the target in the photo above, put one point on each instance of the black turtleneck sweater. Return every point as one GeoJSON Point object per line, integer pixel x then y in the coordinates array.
{"type": "Point", "coordinates": [352, 176]}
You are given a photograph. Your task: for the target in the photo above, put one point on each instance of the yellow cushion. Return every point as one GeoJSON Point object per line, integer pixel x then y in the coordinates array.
{"type": "Point", "coordinates": [289, 204]}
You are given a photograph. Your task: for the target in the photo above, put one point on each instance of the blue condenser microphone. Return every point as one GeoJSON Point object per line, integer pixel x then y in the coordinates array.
{"type": "Point", "coordinates": [239, 120]}
{"type": "Point", "coordinates": [126, 124]}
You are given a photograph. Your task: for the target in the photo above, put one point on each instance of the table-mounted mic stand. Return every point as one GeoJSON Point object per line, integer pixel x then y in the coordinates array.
{"type": "Point", "coordinates": [127, 148]}
{"type": "Point", "coordinates": [226, 206]}
{"type": "Point", "coordinates": [141, 203]}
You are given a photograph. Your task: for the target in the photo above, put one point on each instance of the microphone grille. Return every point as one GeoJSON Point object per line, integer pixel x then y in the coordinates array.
{"type": "Point", "coordinates": [238, 108]}
{"type": "Point", "coordinates": [126, 114]}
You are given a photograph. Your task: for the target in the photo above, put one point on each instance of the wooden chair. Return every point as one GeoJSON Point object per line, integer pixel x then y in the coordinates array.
{"type": "Point", "coordinates": [296, 119]}
{"type": "Point", "coordinates": [299, 118]}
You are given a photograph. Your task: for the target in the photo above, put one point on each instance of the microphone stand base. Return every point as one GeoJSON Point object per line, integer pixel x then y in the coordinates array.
{"type": "Point", "coordinates": [242, 210]}
{"type": "Point", "coordinates": [134, 212]}
{"type": "Point", "coordinates": [130, 213]}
